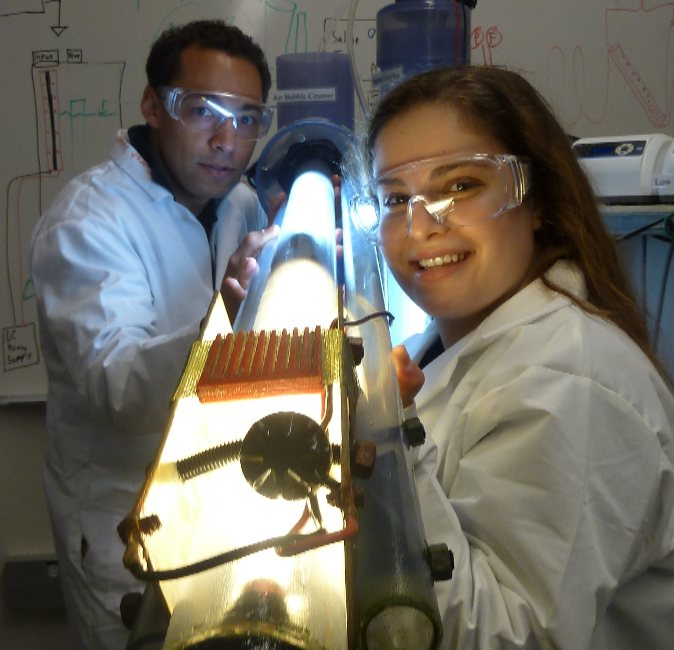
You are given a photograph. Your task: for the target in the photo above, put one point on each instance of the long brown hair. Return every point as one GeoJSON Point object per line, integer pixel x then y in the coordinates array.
{"type": "Point", "coordinates": [504, 105]}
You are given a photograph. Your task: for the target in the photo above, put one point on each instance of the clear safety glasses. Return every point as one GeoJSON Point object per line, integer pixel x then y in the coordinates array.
{"type": "Point", "coordinates": [455, 191]}
{"type": "Point", "coordinates": [207, 111]}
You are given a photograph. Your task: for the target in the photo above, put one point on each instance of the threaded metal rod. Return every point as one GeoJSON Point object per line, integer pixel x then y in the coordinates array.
{"type": "Point", "coordinates": [209, 460]}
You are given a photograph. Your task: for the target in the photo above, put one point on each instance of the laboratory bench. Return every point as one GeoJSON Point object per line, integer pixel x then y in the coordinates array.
{"type": "Point", "coordinates": [624, 219]}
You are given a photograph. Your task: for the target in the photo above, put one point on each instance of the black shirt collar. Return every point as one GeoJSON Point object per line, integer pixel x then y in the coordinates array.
{"type": "Point", "coordinates": [432, 353]}
{"type": "Point", "coordinates": [139, 137]}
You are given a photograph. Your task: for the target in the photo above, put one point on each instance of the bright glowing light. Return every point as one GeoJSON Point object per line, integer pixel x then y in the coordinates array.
{"type": "Point", "coordinates": [301, 290]}
{"type": "Point", "coordinates": [219, 511]}
{"type": "Point", "coordinates": [299, 294]}
{"type": "Point", "coordinates": [295, 604]}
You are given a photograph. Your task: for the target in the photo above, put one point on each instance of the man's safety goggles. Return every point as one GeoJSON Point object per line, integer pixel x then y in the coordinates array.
{"type": "Point", "coordinates": [454, 190]}
{"type": "Point", "coordinates": [207, 111]}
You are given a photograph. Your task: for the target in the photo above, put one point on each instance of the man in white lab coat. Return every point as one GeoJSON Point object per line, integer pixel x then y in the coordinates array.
{"type": "Point", "coordinates": [125, 263]}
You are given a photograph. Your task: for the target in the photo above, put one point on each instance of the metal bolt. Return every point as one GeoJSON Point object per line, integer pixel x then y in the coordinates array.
{"type": "Point", "coordinates": [357, 349]}
{"type": "Point", "coordinates": [363, 458]}
{"type": "Point", "coordinates": [415, 432]}
{"type": "Point", "coordinates": [441, 560]}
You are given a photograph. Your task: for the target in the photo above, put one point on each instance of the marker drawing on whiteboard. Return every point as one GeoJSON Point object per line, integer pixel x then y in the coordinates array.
{"type": "Point", "coordinates": [638, 86]}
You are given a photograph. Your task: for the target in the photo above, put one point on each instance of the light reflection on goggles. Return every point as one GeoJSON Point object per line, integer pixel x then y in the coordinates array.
{"type": "Point", "coordinates": [456, 191]}
{"type": "Point", "coordinates": [207, 111]}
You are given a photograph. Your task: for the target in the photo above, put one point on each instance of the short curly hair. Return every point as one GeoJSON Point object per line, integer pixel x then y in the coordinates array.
{"type": "Point", "coordinates": [163, 62]}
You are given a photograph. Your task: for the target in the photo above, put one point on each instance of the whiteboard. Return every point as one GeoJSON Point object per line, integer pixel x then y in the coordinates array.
{"type": "Point", "coordinates": [72, 73]}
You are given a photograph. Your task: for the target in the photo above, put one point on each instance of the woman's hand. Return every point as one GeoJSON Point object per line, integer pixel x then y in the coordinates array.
{"type": "Point", "coordinates": [410, 376]}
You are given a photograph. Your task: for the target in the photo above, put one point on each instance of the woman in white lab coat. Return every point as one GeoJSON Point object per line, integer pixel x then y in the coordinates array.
{"type": "Point", "coordinates": [549, 463]}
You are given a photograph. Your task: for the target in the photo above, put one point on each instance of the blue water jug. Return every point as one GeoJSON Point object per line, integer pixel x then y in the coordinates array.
{"type": "Point", "coordinates": [414, 36]}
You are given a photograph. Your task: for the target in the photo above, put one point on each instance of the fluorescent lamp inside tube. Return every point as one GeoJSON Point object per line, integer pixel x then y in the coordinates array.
{"type": "Point", "coordinates": [301, 290]}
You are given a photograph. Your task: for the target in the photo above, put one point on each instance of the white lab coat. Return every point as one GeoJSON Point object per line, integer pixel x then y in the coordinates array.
{"type": "Point", "coordinates": [123, 276]}
{"type": "Point", "coordinates": [548, 470]}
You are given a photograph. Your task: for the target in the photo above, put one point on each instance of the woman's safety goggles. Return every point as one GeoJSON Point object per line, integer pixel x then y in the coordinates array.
{"type": "Point", "coordinates": [454, 190]}
{"type": "Point", "coordinates": [207, 111]}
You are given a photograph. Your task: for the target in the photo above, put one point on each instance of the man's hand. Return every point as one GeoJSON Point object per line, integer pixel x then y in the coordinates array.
{"type": "Point", "coordinates": [275, 204]}
{"type": "Point", "coordinates": [242, 265]}
{"type": "Point", "coordinates": [410, 376]}
{"type": "Point", "coordinates": [339, 240]}
{"type": "Point", "coordinates": [339, 233]}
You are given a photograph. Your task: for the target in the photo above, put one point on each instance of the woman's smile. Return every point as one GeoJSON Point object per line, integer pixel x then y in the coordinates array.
{"type": "Point", "coordinates": [456, 273]}
{"type": "Point", "coordinates": [434, 262]}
